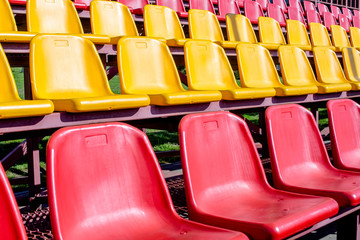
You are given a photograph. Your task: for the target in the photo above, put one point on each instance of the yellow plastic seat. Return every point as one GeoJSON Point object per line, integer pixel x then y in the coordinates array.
{"type": "Point", "coordinates": [239, 28]}
{"type": "Point", "coordinates": [257, 70]}
{"type": "Point", "coordinates": [328, 69]}
{"type": "Point", "coordinates": [319, 36]}
{"type": "Point", "coordinates": [204, 25]}
{"type": "Point", "coordinates": [355, 37]}
{"type": "Point", "coordinates": [297, 35]}
{"type": "Point", "coordinates": [57, 16]}
{"type": "Point", "coordinates": [8, 28]}
{"type": "Point", "coordinates": [68, 71]}
{"type": "Point", "coordinates": [351, 62]}
{"type": "Point", "coordinates": [339, 37]}
{"type": "Point", "coordinates": [146, 66]}
{"type": "Point", "coordinates": [113, 19]}
{"type": "Point", "coordinates": [208, 68]}
{"type": "Point", "coordinates": [270, 34]}
{"type": "Point", "coordinates": [11, 106]}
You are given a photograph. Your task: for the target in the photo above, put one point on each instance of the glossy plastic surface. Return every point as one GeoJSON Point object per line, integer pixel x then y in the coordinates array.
{"type": "Point", "coordinates": [356, 21]}
{"type": "Point", "coordinates": [355, 37]}
{"type": "Point", "coordinates": [329, 19]}
{"type": "Point", "coordinates": [82, 4]}
{"type": "Point", "coordinates": [135, 6]}
{"type": "Point", "coordinates": [282, 4]}
{"type": "Point", "coordinates": [264, 4]}
{"type": "Point", "coordinates": [208, 68]}
{"type": "Point", "coordinates": [296, 4]}
{"type": "Point", "coordinates": [356, 12]}
{"type": "Point", "coordinates": [322, 8]}
{"type": "Point", "coordinates": [111, 18]}
{"type": "Point", "coordinates": [202, 4]}
{"type": "Point", "coordinates": [344, 22]}
{"type": "Point", "coordinates": [68, 71]}
{"type": "Point", "coordinates": [295, 14]}
{"type": "Point", "coordinates": [299, 159]}
{"type": "Point", "coordinates": [253, 11]}
{"type": "Point", "coordinates": [309, 6]}
{"type": "Point", "coordinates": [227, 6]}
{"type": "Point", "coordinates": [237, 195]}
{"type": "Point", "coordinates": [275, 12]}
{"type": "Point", "coordinates": [339, 37]}
{"type": "Point", "coordinates": [297, 35]}
{"type": "Point", "coordinates": [351, 63]}
{"type": "Point", "coordinates": [116, 173]}
{"type": "Point", "coordinates": [344, 117]}
{"type": "Point", "coordinates": [347, 13]}
{"type": "Point", "coordinates": [319, 36]}
{"type": "Point", "coordinates": [17, 2]}
{"type": "Point", "coordinates": [270, 34]}
{"type": "Point", "coordinates": [239, 28]}
{"type": "Point", "coordinates": [146, 66]}
{"type": "Point", "coordinates": [335, 11]}
{"type": "Point", "coordinates": [12, 227]}
{"type": "Point", "coordinates": [312, 17]}
{"type": "Point", "coordinates": [176, 5]}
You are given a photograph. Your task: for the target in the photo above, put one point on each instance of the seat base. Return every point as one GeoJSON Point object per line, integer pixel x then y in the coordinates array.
{"type": "Point", "coordinates": [296, 90]}
{"type": "Point", "coordinates": [186, 97]}
{"type": "Point", "coordinates": [247, 93]}
{"type": "Point", "coordinates": [25, 108]}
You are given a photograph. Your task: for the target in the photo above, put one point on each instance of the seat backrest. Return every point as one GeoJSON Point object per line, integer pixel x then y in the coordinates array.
{"type": "Point", "coordinates": [351, 63]}
{"type": "Point", "coordinates": [295, 67]}
{"type": "Point", "coordinates": [116, 173]}
{"type": "Point", "coordinates": [228, 6]}
{"type": "Point", "coordinates": [111, 18]}
{"type": "Point", "coordinates": [7, 22]}
{"type": "Point", "coordinates": [339, 36]}
{"type": "Point", "coordinates": [322, 8]}
{"type": "Point", "coordinates": [270, 31]}
{"type": "Point", "coordinates": [295, 14]}
{"type": "Point", "coordinates": [356, 12]}
{"type": "Point", "coordinates": [134, 4]}
{"type": "Point", "coordinates": [275, 12]}
{"type": "Point", "coordinates": [207, 67]}
{"type": "Point", "coordinates": [347, 12]}
{"type": "Point", "coordinates": [204, 25]}
{"type": "Point", "coordinates": [296, 4]}
{"type": "Point", "coordinates": [202, 4]}
{"type": "Point", "coordinates": [328, 67]}
{"type": "Point", "coordinates": [252, 11]}
{"type": "Point", "coordinates": [146, 66]}
{"type": "Point", "coordinates": [319, 35]}
{"type": "Point", "coordinates": [240, 3]}
{"type": "Point", "coordinates": [335, 11]}
{"type": "Point", "coordinates": [329, 19]}
{"type": "Point", "coordinates": [176, 5]}
{"type": "Point", "coordinates": [209, 144]}
{"type": "Point", "coordinates": [312, 16]}
{"type": "Point", "coordinates": [295, 143]}
{"type": "Point", "coordinates": [344, 22]}
{"type": "Point", "coordinates": [63, 67]}
{"type": "Point", "coordinates": [309, 6]}
{"type": "Point", "coordinates": [56, 16]}
{"type": "Point", "coordinates": [249, 57]}
{"type": "Point", "coordinates": [161, 21]}
{"type": "Point", "coordinates": [263, 3]}
{"type": "Point", "coordinates": [355, 36]}
{"type": "Point", "coordinates": [297, 33]}
{"type": "Point", "coordinates": [84, 4]}
{"type": "Point", "coordinates": [239, 28]}
{"type": "Point", "coordinates": [356, 21]}
{"type": "Point", "coordinates": [282, 4]}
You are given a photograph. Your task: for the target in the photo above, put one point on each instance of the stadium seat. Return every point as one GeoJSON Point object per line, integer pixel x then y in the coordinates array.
{"type": "Point", "coordinates": [208, 68]}
{"type": "Point", "coordinates": [240, 3]}
{"type": "Point", "coordinates": [227, 7]}
{"type": "Point", "coordinates": [239, 28]}
{"type": "Point", "coordinates": [312, 17]}
{"type": "Point", "coordinates": [319, 36]}
{"type": "Point", "coordinates": [329, 19]}
{"type": "Point", "coordinates": [237, 196]}
{"type": "Point", "coordinates": [339, 37]}
{"type": "Point", "coordinates": [351, 61]}
{"type": "Point", "coordinates": [68, 71]}
{"type": "Point", "coordinates": [282, 5]}
{"type": "Point", "coordinates": [296, 70]}
{"type": "Point", "coordinates": [297, 4]}
{"type": "Point", "coordinates": [57, 16]}
{"type": "Point", "coordinates": [295, 14]}
{"type": "Point", "coordinates": [344, 22]}
{"type": "Point", "coordinates": [270, 34]}
{"type": "Point", "coordinates": [309, 6]}
{"type": "Point", "coordinates": [114, 189]}
{"type": "Point", "coordinates": [250, 57]}
{"type": "Point", "coordinates": [329, 70]}
{"type": "Point", "coordinates": [12, 227]}
{"type": "Point", "coordinates": [275, 12]}
{"type": "Point", "coordinates": [347, 12]}
{"type": "Point", "coordinates": [299, 160]}
{"type": "Point", "coordinates": [355, 37]}
{"type": "Point", "coordinates": [113, 19]}
{"type": "Point", "coordinates": [135, 6]}
{"type": "Point", "coordinates": [344, 117]}
{"type": "Point", "coordinates": [204, 25]}
{"type": "Point", "coordinates": [82, 4]}
{"type": "Point", "coordinates": [11, 106]}
{"type": "Point", "coordinates": [253, 11]}
{"type": "Point", "coordinates": [335, 11]}
{"type": "Point", "coordinates": [264, 4]}
{"type": "Point", "coordinates": [140, 72]}
{"type": "Point", "coordinates": [176, 5]}
{"type": "Point", "coordinates": [18, 2]}
{"type": "Point", "coordinates": [297, 35]}
{"type": "Point", "coordinates": [322, 9]}
{"type": "Point", "coordinates": [202, 5]}
{"type": "Point", "coordinates": [8, 28]}
{"type": "Point", "coordinates": [356, 12]}
{"type": "Point", "coordinates": [356, 21]}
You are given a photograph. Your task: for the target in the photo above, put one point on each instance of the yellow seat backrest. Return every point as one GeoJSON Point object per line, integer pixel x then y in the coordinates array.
{"type": "Point", "coordinates": [351, 62]}
{"type": "Point", "coordinates": [52, 16]}
{"type": "Point", "coordinates": [319, 35]}
{"type": "Point", "coordinates": [207, 66]}
{"type": "Point", "coordinates": [204, 25]}
{"type": "Point", "coordinates": [339, 36]}
{"type": "Point", "coordinates": [161, 21]}
{"type": "Point", "coordinates": [146, 66]}
{"type": "Point", "coordinates": [256, 67]}
{"type": "Point", "coordinates": [296, 33]}
{"type": "Point", "coordinates": [355, 37]}
{"type": "Point", "coordinates": [270, 31]}
{"type": "Point", "coordinates": [111, 18]}
{"type": "Point", "coordinates": [239, 28]}
{"type": "Point", "coordinates": [7, 22]}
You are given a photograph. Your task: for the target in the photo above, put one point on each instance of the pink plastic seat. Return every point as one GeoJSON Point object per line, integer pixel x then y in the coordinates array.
{"type": "Point", "coordinates": [344, 22]}
{"type": "Point", "coordinates": [309, 6]}
{"type": "Point", "coordinates": [299, 159]}
{"type": "Point", "coordinates": [356, 21]}
{"type": "Point", "coordinates": [347, 13]}
{"type": "Point", "coordinates": [264, 4]}
{"type": "Point", "coordinates": [253, 11]}
{"type": "Point", "coordinates": [297, 4]}
{"type": "Point", "coordinates": [313, 16]}
{"type": "Point", "coordinates": [282, 5]}
{"type": "Point", "coordinates": [12, 227]}
{"type": "Point", "coordinates": [295, 14]}
{"type": "Point", "coordinates": [344, 118]}
{"type": "Point", "coordinates": [240, 3]}
{"type": "Point", "coordinates": [227, 6]}
{"type": "Point", "coordinates": [176, 5]}
{"type": "Point", "coordinates": [322, 9]}
{"type": "Point", "coordinates": [114, 189]}
{"type": "Point", "coordinates": [329, 19]}
{"type": "Point", "coordinates": [275, 12]}
{"type": "Point", "coordinates": [82, 4]}
{"type": "Point", "coordinates": [335, 11]}
{"type": "Point", "coordinates": [226, 185]}
{"type": "Point", "coordinates": [202, 5]}
{"type": "Point", "coordinates": [18, 2]}
{"type": "Point", "coordinates": [135, 6]}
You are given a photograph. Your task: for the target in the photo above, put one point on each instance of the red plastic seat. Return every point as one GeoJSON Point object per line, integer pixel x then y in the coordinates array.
{"type": "Point", "coordinates": [227, 6]}
{"type": "Point", "coordinates": [18, 2]}
{"type": "Point", "coordinates": [299, 159]}
{"type": "Point", "coordinates": [12, 227]}
{"type": "Point", "coordinates": [295, 14]}
{"type": "Point", "coordinates": [176, 5]}
{"type": "Point", "coordinates": [335, 11]}
{"type": "Point", "coordinates": [344, 22]}
{"type": "Point", "coordinates": [253, 11]}
{"type": "Point", "coordinates": [313, 16]}
{"type": "Point", "coordinates": [264, 4]}
{"type": "Point", "coordinates": [344, 118]}
{"type": "Point", "coordinates": [135, 6]}
{"type": "Point", "coordinates": [282, 5]}
{"type": "Point", "coordinates": [296, 4]}
{"type": "Point", "coordinates": [226, 185]}
{"type": "Point", "coordinates": [356, 21]}
{"type": "Point", "coordinates": [114, 189]}
{"type": "Point", "coordinates": [356, 12]}
{"type": "Point", "coordinates": [275, 12]}
{"type": "Point", "coordinates": [347, 12]}
{"type": "Point", "coordinates": [309, 6]}
{"type": "Point", "coordinates": [202, 5]}
{"type": "Point", "coordinates": [322, 9]}
{"type": "Point", "coordinates": [329, 19]}
{"type": "Point", "coordinates": [240, 3]}
{"type": "Point", "coordinates": [82, 4]}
